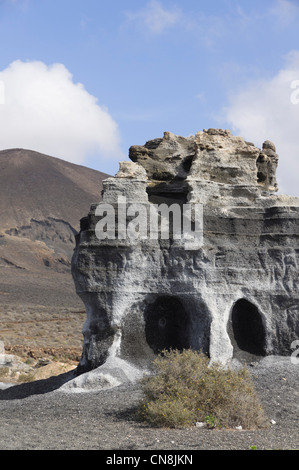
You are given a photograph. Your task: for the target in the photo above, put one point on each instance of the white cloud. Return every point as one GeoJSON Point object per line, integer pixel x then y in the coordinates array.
{"type": "Point", "coordinates": [264, 110]}
{"type": "Point", "coordinates": [44, 110]}
{"type": "Point", "coordinates": [284, 12]}
{"type": "Point", "coordinates": [155, 17]}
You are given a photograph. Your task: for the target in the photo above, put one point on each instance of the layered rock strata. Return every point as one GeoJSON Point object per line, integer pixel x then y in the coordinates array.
{"type": "Point", "coordinates": [232, 291]}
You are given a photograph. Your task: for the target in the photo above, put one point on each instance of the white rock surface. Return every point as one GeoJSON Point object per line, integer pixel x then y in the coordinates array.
{"type": "Point", "coordinates": [235, 296]}
{"type": "Point", "coordinates": [113, 373]}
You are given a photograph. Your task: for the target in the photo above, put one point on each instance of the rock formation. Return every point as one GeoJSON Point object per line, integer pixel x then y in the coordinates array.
{"type": "Point", "coordinates": [232, 291]}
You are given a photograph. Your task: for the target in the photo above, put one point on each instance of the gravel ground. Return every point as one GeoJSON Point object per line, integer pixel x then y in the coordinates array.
{"type": "Point", "coordinates": [38, 416]}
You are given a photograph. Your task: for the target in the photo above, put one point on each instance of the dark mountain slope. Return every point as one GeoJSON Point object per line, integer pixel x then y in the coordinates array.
{"type": "Point", "coordinates": [42, 200]}
{"type": "Point", "coordinates": [37, 186]}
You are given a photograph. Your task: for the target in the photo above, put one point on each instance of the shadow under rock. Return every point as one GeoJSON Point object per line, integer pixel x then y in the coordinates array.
{"type": "Point", "coordinates": [37, 387]}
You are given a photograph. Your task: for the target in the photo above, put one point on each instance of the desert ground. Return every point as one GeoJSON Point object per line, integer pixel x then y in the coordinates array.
{"type": "Point", "coordinates": [35, 414]}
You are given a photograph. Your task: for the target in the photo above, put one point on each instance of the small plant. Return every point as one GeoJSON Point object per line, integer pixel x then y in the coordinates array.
{"type": "Point", "coordinates": [210, 421]}
{"type": "Point", "coordinates": [186, 389]}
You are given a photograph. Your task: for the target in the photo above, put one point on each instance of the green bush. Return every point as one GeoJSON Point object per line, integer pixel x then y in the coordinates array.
{"type": "Point", "coordinates": [186, 389]}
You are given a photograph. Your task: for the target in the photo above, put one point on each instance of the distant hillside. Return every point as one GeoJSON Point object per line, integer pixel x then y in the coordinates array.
{"type": "Point", "coordinates": [42, 200]}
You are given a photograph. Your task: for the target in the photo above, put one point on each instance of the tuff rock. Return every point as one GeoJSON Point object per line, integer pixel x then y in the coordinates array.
{"type": "Point", "coordinates": [232, 294]}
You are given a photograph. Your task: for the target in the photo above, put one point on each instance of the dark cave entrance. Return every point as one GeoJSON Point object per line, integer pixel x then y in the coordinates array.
{"type": "Point", "coordinates": [167, 325]}
{"type": "Point", "coordinates": [246, 329]}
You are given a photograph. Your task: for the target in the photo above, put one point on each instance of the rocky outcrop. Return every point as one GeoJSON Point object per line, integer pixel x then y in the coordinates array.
{"type": "Point", "coordinates": [229, 288]}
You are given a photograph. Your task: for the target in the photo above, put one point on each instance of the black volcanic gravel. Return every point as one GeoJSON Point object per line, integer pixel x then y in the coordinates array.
{"type": "Point", "coordinates": [36, 416]}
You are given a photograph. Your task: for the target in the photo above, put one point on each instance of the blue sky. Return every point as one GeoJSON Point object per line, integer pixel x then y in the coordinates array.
{"type": "Point", "coordinates": [84, 80]}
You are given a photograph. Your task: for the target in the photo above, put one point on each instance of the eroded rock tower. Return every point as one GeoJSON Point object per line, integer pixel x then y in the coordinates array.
{"type": "Point", "coordinates": [234, 293]}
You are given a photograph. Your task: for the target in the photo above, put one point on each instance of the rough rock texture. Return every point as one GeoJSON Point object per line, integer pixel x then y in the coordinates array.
{"type": "Point", "coordinates": [234, 294]}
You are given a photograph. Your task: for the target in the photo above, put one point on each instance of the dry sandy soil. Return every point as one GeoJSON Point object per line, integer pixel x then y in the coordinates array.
{"type": "Point", "coordinates": [45, 341]}
{"type": "Point", "coordinates": [35, 414]}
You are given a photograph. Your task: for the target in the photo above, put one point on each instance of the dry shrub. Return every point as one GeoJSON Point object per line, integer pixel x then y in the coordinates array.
{"type": "Point", "coordinates": [186, 389]}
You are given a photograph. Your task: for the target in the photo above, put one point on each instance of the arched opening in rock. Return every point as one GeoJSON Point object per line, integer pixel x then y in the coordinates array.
{"type": "Point", "coordinates": [246, 329]}
{"type": "Point", "coordinates": [167, 325]}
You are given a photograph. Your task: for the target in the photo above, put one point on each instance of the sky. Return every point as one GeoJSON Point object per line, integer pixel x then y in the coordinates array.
{"type": "Point", "coordinates": [83, 80]}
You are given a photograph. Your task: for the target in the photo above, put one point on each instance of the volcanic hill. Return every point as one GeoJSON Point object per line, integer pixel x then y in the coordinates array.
{"type": "Point", "coordinates": [42, 201]}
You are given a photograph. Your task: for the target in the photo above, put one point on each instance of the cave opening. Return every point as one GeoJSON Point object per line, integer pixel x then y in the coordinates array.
{"type": "Point", "coordinates": [167, 325]}
{"type": "Point", "coordinates": [246, 329]}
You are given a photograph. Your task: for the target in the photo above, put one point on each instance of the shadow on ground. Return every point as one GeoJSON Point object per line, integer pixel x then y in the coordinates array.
{"type": "Point", "coordinates": [38, 387]}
